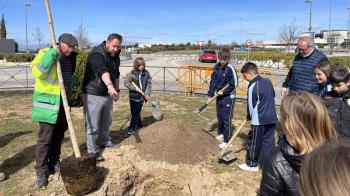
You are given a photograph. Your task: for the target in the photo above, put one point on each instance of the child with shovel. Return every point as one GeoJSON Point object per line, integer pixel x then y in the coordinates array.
{"type": "Point", "coordinates": [142, 78]}
{"type": "Point", "coordinates": [261, 112]}
{"type": "Point", "coordinates": [224, 73]}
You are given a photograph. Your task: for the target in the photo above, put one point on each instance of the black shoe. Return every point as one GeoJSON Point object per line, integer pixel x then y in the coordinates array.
{"type": "Point", "coordinates": [41, 181]}
{"type": "Point", "coordinates": [110, 145]}
{"type": "Point", "coordinates": [53, 168]}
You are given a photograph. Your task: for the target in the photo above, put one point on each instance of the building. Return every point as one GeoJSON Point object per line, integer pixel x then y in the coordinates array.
{"type": "Point", "coordinates": [325, 37]}
{"type": "Point", "coordinates": [338, 38]}
{"type": "Point", "coordinates": [8, 46]}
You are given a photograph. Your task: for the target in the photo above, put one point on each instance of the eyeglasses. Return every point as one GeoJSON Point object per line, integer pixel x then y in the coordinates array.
{"type": "Point", "coordinates": [301, 49]}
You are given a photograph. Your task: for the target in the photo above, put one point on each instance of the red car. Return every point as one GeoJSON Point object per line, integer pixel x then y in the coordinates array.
{"type": "Point", "coordinates": [208, 56]}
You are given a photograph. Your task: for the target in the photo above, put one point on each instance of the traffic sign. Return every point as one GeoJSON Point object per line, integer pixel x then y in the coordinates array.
{"type": "Point", "coordinates": [200, 43]}
{"type": "Point", "coordinates": [248, 42]}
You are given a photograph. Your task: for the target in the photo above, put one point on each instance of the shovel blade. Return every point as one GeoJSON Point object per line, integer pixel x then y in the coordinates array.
{"type": "Point", "coordinates": [228, 157]}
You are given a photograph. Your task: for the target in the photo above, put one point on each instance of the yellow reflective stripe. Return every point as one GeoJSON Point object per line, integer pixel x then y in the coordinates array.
{"type": "Point", "coordinates": [46, 106]}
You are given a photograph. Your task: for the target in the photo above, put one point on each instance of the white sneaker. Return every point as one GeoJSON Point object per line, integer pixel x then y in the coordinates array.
{"type": "Point", "coordinates": [220, 137]}
{"type": "Point", "coordinates": [245, 167]}
{"type": "Point", "coordinates": [223, 145]}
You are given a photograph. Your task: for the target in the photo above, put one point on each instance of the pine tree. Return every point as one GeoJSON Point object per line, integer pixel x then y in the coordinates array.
{"type": "Point", "coordinates": [3, 28]}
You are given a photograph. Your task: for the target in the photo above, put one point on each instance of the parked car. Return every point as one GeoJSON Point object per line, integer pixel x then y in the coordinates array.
{"type": "Point", "coordinates": [208, 56]}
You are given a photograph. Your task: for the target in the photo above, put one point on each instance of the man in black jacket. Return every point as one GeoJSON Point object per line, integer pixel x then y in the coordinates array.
{"type": "Point", "coordinates": [100, 89]}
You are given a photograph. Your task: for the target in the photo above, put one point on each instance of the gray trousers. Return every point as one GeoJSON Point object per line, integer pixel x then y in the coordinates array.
{"type": "Point", "coordinates": [98, 119]}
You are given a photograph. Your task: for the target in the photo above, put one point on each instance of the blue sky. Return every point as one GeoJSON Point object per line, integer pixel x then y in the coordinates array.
{"type": "Point", "coordinates": [171, 21]}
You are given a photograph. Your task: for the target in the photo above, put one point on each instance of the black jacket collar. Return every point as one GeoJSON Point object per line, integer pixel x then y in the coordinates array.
{"type": "Point", "coordinates": [290, 154]}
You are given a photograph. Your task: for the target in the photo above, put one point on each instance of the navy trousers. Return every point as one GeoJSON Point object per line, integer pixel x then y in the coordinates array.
{"type": "Point", "coordinates": [224, 111]}
{"type": "Point", "coordinates": [261, 138]}
{"type": "Point", "coordinates": [135, 107]}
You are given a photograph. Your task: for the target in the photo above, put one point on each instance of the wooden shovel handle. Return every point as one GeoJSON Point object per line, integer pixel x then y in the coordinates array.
{"type": "Point", "coordinates": [63, 91]}
{"type": "Point", "coordinates": [232, 138]}
{"type": "Point", "coordinates": [216, 95]}
{"type": "Point", "coordinates": [138, 89]}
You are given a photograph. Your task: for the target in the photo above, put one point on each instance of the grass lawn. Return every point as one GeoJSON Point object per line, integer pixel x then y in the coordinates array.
{"type": "Point", "coordinates": [18, 137]}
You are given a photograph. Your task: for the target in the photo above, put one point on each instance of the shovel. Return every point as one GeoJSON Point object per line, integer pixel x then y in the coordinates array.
{"type": "Point", "coordinates": [79, 173]}
{"type": "Point", "coordinates": [227, 157]}
{"type": "Point", "coordinates": [200, 109]}
{"type": "Point", "coordinates": [155, 105]}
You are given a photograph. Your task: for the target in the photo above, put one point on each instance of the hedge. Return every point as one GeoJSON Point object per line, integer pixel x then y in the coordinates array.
{"type": "Point", "coordinates": [287, 58]}
{"type": "Point", "coordinates": [27, 57]}
{"type": "Point", "coordinates": [341, 60]}
{"type": "Point", "coordinates": [274, 56]}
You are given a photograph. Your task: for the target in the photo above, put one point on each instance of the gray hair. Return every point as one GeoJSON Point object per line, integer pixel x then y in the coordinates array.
{"type": "Point", "coordinates": [306, 40]}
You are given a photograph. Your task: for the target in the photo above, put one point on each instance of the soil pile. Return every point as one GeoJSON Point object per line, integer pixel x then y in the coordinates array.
{"type": "Point", "coordinates": [173, 141]}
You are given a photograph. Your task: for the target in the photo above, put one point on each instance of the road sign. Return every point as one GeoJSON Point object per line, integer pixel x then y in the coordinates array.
{"type": "Point", "coordinates": [200, 43]}
{"type": "Point", "coordinates": [248, 42]}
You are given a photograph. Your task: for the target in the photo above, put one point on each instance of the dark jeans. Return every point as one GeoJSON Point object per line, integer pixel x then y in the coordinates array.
{"type": "Point", "coordinates": [224, 111]}
{"type": "Point", "coordinates": [48, 147]}
{"type": "Point", "coordinates": [261, 138]}
{"type": "Point", "coordinates": [135, 108]}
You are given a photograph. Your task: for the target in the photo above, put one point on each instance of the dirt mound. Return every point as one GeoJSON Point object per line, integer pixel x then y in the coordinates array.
{"type": "Point", "coordinates": [173, 141]}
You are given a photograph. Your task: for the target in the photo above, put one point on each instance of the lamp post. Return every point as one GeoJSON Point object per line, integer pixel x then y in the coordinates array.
{"type": "Point", "coordinates": [26, 6]}
{"type": "Point", "coordinates": [348, 43]}
{"type": "Point", "coordinates": [309, 2]}
{"type": "Point", "coordinates": [330, 34]}
{"type": "Point", "coordinates": [240, 35]}
{"type": "Point", "coordinates": [126, 26]}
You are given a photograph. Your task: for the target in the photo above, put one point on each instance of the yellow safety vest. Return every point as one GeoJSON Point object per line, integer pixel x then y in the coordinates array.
{"type": "Point", "coordinates": [46, 96]}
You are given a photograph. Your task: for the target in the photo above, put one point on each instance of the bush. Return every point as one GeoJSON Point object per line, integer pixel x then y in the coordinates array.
{"type": "Point", "coordinates": [274, 56]}
{"type": "Point", "coordinates": [77, 80]}
{"type": "Point", "coordinates": [341, 60]}
{"type": "Point", "coordinates": [27, 57]}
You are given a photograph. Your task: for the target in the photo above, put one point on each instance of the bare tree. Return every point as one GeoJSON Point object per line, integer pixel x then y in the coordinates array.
{"type": "Point", "coordinates": [39, 36]}
{"type": "Point", "coordinates": [288, 33]}
{"type": "Point", "coordinates": [81, 35]}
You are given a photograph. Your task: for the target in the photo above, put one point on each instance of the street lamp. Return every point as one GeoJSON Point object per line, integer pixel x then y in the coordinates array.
{"type": "Point", "coordinates": [348, 28]}
{"type": "Point", "coordinates": [348, 41]}
{"type": "Point", "coordinates": [240, 34]}
{"type": "Point", "coordinates": [310, 2]}
{"type": "Point", "coordinates": [26, 6]}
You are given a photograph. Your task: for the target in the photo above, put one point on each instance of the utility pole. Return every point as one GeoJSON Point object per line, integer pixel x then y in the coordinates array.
{"type": "Point", "coordinates": [26, 12]}
{"type": "Point", "coordinates": [348, 43]}
{"type": "Point", "coordinates": [126, 26]}
{"type": "Point", "coordinates": [81, 24]}
{"type": "Point", "coordinates": [330, 33]}
{"type": "Point", "coordinates": [240, 35]}
{"type": "Point", "coordinates": [310, 13]}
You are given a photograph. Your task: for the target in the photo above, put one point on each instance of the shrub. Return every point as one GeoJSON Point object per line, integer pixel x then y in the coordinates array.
{"type": "Point", "coordinates": [77, 80]}
{"type": "Point", "coordinates": [274, 56]}
{"type": "Point", "coordinates": [26, 57]}
{"type": "Point", "coordinates": [341, 60]}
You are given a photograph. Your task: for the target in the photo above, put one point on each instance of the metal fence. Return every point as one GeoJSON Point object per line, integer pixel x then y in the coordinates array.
{"type": "Point", "coordinates": [164, 78]}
